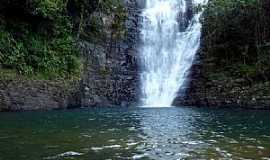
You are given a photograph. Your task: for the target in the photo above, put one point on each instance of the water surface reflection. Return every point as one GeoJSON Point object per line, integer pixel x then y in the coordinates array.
{"type": "Point", "coordinates": [135, 133]}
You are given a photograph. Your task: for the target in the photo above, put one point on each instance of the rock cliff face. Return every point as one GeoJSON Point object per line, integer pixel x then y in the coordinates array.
{"type": "Point", "coordinates": [204, 92]}
{"type": "Point", "coordinates": [109, 77]}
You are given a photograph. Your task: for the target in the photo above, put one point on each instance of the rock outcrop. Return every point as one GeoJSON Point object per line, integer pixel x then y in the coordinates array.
{"type": "Point", "coordinates": [204, 92]}
{"type": "Point", "coordinates": [25, 95]}
{"type": "Point", "coordinates": [109, 76]}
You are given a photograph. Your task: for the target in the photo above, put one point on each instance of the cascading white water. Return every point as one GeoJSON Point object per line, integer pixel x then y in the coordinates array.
{"type": "Point", "coordinates": [167, 52]}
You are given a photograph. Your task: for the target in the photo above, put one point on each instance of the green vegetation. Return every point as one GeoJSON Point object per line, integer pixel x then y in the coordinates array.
{"type": "Point", "coordinates": [38, 37]}
{"type": "Point", "coordinates": [39, 41]}
{"type": "Point", "coordinates": [236, 38]}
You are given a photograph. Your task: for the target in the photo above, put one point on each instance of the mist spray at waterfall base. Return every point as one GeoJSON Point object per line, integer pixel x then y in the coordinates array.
{"type": "Point", "coordinates": [169, 43]}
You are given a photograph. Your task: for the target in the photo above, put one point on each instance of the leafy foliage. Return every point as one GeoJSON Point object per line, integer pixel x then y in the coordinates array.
{"type": "Point", "coordinates": [47, 47]}
{"type": "Point", "coordinates": [235, 35]}
{"type": "Point", "coordinates": [39, 36]}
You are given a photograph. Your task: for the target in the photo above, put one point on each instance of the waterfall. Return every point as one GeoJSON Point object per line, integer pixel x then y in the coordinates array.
{"type": "Point", "coordinates": [169, 43]}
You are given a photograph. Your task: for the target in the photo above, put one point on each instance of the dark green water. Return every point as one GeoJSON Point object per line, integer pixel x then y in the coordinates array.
{"type": "Point", "coordinates": [135, 133]}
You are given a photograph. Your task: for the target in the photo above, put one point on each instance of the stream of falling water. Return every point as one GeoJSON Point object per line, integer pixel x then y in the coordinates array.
{"type": "Point", "coordinates": [170, 41]}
